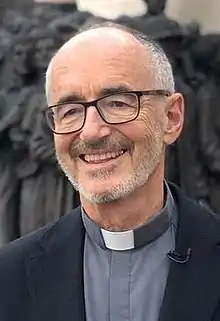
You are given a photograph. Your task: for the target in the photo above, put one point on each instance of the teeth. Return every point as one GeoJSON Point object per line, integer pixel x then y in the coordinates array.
{"type": "Point", "coordinates": [93, 158]}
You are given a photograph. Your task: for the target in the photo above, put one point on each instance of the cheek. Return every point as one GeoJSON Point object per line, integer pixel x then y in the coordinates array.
{"type": "Point", "coordinates": [62, 144]}
{"type": "Point", "coordinates": [151, 121]}
{"type": "Point", "coordinates": [145, 123]}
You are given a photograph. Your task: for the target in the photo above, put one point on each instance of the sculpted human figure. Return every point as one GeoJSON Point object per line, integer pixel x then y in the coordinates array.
{"type": "Point", "coordinates": [136, 248]}
{"type": "Point", "coordinates": [205, 53]}
{"type": "Point", "coordinates": [156, 7]}
{"type": "Point", "coordinates": [45, 193]}
{"type": "Point", "coordinates": [8, 162]}
{"type": "Point", "coordinates": [13, 74]}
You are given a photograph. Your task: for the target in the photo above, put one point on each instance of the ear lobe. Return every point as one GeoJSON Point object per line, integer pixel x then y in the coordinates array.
{"type": "Point", "coordinates": [175, 117]}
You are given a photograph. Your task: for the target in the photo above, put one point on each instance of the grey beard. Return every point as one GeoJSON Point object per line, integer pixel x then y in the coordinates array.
{"type": "Point", "coordinates": [136, 179]}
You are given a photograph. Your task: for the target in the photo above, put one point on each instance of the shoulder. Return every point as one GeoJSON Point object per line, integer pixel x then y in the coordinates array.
{"type": "Point", "coordinates": [15, 257]}
{"type": "Point", "coordinates": [194, 214]}
{"type": "Point", "coordinates": [24, 247]}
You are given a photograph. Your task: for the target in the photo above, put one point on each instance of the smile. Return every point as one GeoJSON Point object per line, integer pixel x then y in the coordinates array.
{"type": "Point", "coordinates": [101, 158]}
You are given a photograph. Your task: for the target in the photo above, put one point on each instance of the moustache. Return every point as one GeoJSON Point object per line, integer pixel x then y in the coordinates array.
{"type": "Point", "coordinates": [106, 145]}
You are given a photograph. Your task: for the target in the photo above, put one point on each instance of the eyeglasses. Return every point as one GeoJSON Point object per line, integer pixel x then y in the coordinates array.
{"type": "Point", "coordinates": [118, 108]}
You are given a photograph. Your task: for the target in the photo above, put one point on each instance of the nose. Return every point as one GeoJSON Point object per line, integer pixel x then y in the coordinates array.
{"type": "Point", "coordinates": [95, 127]}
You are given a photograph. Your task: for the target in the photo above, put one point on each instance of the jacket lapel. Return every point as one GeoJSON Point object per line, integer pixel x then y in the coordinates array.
{"type": "Point", "coordinates": [193, 289]}
{"type": "Point", "coordinates": [55, 272]}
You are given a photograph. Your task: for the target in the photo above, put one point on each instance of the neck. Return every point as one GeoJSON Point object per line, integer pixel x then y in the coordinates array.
{"type": "Point", "coordinates": [130, 212]}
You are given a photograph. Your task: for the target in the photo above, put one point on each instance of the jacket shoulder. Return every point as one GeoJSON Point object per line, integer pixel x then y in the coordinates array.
{"type": "Point", "coordinates": [23, 247]}
{"type": "Point", "coordinates": [14, 275]}
{"type": "Point", "coordinates": [194, 215]}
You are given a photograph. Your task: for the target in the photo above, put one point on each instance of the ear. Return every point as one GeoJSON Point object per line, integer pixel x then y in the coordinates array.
{"type": "Point", "coordinates": [174, 118]}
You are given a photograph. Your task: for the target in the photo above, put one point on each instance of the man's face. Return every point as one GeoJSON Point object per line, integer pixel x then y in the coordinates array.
{"type": "Point", "coordinates": [108, 162]}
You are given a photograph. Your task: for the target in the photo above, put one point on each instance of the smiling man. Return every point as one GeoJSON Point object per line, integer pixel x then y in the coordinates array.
{"type": "Point", "coordinates": [113, 110]}
{"type": "Point", "coordinates": [136, 249]}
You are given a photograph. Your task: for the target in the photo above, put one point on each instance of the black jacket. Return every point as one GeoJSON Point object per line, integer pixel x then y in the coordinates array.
{"type": "Point", "coordinates": [41, 275]}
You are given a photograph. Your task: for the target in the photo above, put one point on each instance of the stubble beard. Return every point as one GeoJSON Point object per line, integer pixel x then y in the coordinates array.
{"type": "Point", "coordinates": [146, 166]}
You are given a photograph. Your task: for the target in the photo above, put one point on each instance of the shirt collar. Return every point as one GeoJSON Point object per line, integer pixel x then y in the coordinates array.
{"type": "Point", "coordinates": [141, 236]}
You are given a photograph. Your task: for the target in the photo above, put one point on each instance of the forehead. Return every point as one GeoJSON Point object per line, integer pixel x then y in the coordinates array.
{"type": "Point", "coordinates": [99, 60]}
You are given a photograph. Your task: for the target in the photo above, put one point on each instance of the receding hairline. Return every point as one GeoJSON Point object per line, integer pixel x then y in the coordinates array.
{"type": "Point", "coordinates": [133, 33]}
{"type": "Point", "coordinates": [105, 25]}
{"type": "Point", "coordinates": [125, 31]}
{"type": "Point", "coordinates": [111, 25]}
{"type": "Point", "coordinates": [145, 41]}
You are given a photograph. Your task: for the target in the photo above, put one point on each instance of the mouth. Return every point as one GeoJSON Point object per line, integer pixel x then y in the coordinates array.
{"type": "Point", "coordinates": [100, 158]}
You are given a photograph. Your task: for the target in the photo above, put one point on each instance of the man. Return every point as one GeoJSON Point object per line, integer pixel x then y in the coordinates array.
{"type": "Point", "coordinates": [137, 249]}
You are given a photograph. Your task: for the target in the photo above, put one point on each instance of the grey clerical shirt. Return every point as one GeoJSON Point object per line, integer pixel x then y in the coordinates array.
{"type": "Point", "coordinates": [125, 273]}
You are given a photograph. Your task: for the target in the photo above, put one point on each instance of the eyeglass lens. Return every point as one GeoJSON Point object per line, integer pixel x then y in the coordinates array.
{"type": "Point", "coordinates": [117, 108]}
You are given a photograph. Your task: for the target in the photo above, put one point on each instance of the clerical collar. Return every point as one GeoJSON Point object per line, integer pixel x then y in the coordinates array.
{"type": "Point", "coordinates": [143, 235]}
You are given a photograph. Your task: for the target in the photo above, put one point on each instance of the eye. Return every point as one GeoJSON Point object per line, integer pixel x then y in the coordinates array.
{"type": "Point", "coordinates": [66, 111]}
{"type": "Point", "coordinates": [118, 104]}
{"type": "Point", "coordinates": [70, 112]}
{"type": "Point", "coordinates": [120, 101]}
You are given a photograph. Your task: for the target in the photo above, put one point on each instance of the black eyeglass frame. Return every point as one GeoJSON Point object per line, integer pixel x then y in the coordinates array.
{"type": "Point", "coordinates": [93, 103]}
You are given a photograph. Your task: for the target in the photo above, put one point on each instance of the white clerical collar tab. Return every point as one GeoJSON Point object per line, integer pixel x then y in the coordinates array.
{"type": "Point", "coordinates": [118, 241]}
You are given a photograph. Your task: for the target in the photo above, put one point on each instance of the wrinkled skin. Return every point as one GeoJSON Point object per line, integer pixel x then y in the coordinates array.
{"type": "Point", "coordinates": [159, 122]}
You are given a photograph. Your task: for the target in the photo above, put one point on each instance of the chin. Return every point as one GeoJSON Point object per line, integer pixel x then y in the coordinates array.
{"type": "Point", "coordinates": [101, 192]}
{"type": "Point", "coordinates": [104, 197]}
{"type": "Point", "coordinates": [100, 187]}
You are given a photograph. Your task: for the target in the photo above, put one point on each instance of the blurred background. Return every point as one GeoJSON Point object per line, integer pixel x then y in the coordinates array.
{"type": "Point", "coordinates": [33, 190]}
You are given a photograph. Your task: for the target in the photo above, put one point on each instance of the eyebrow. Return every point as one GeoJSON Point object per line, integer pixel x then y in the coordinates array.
{"type": "Point", "coordinates": [74, 97]}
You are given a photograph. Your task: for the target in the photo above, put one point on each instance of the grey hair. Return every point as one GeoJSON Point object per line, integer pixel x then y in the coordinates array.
{"type": "Point", "coordinates": [160, 63]}
{"type": "Point", "coordinates": [47, 80]}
